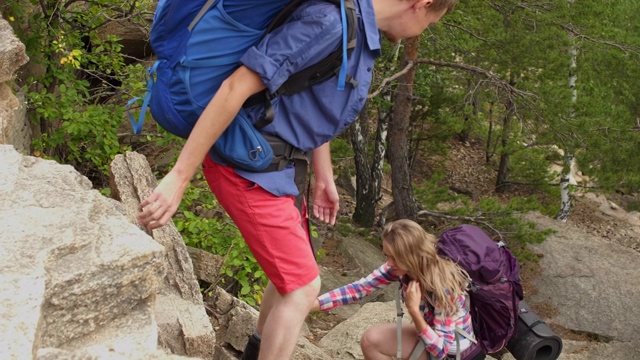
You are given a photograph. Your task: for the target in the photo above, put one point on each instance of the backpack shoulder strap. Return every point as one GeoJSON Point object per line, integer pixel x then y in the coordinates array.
{"type": "Point", "coordinates": [399, 314]}
{"type": "Point", "coordinates": [201, 13]}
{"type": "Point", "coordinates": [419, 348]}
{"type": "Point", "coordinates": [331, 65]}
{"type": "Point", "coordinates": [323, 69]}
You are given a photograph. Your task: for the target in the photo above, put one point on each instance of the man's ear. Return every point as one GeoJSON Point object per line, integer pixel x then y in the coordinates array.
{"type": "Point", "coordinates": [419, 4]}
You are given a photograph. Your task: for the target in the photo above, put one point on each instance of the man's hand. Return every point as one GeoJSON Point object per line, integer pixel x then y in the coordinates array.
{"type": "Point", "coordinates": [162, 203]}
{"type": "Point", "coordinates": [326, 202]}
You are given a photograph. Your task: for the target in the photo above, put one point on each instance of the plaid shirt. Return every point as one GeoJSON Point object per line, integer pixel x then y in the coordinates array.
{"type": "Point", "coordinates": [438, 337]}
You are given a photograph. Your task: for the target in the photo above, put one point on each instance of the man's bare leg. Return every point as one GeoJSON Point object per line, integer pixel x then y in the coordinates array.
{"type": "Point", "coordinates": [269, 297]}
{"type": "Point", "coordinates": [281, 318]}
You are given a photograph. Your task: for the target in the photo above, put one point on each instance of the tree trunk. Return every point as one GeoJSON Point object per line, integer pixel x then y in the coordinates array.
{"type": "Point", "coordinates": [565, 191]}
{"type": "Point", "coordinates": [368, 173]}
{"type": "Point", "coordinates": [503, 168]}
{"type": "Point", "coordinates": [465, 134]}
{"type": "Point", "coordinates": [405, 204]}
{"type": "Point", "coordinates": [565, 197]}
{"type": "Point", "coordinates": [488, 154]}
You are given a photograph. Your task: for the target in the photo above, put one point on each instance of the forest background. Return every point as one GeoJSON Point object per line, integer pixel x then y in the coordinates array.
{"type": "Point", "coordinates": [532, 84]}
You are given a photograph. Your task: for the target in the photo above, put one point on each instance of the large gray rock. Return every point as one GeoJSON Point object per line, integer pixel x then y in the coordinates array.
{"type": "Point", "coordinates": [14, 127]}
{"type": "Point", "coordinates": [343, 341]}
{"type": "Point", "coordinates": [71, 264]}
{"type": "Point", "coordinates": [367, 257]}
{"type": "Point", "coordinates": [184, 327]}
{"type": "Point", "coordinates": [594, 294]}
{"type": "Point", "coordinates": [12, 52]}
{"type": "Point", "coordinates": [234, 320]}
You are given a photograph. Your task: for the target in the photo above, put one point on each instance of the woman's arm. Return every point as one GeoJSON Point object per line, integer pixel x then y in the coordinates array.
{"type": "Point", "coordinates": [162, 203]}
{"type": "Point", "coordinates": [355, 291]}
{"type": "Point", "coordinates": [438, 336]}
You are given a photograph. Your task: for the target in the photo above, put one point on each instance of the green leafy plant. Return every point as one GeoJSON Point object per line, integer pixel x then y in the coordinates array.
{"type": "Point", "coordinates": [76, 102]}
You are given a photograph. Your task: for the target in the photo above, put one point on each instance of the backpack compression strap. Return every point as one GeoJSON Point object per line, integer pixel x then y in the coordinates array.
{"type": "Point", "coordinates": [417, 351]}
{"type": "Point", "coordinates": [415, 354]}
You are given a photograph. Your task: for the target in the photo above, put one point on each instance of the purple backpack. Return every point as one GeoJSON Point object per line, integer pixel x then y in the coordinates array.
{"type": "Point", "coordinates": [495, 290]}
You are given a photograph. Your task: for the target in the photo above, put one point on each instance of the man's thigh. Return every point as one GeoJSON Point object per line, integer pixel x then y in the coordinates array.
{"type": "Point", "coordinates": [271, 226]}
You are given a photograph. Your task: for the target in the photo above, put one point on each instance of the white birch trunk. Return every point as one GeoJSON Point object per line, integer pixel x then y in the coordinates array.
{"type": "Point", "coordinates": [567, 175]}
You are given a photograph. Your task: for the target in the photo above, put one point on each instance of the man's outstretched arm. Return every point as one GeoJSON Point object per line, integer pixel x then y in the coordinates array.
{"type": "Point", "coordinates": [162, 203]}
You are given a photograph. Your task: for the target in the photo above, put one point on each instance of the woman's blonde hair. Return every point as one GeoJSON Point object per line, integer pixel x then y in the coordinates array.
{"type": "Point", "coordinates": [441, 280]}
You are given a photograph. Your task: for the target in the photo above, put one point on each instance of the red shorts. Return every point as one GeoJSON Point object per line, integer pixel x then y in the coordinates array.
{"type": "Point", "coordinates": [271, 226]}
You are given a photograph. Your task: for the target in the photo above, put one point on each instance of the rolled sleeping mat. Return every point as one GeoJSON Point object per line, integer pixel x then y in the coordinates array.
{"type": "Point", "coordinates": [534, 340]}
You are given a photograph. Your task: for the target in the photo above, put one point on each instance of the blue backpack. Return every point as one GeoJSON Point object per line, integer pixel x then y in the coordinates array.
{"type": "Point", "coordinates": [198, 45]}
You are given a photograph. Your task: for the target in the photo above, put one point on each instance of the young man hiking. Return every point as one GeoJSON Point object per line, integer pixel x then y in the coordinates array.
{"type": "Point", "coordinates": [262, 204]}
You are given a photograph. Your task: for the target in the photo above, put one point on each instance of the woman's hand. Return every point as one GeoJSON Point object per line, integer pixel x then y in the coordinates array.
{"type": "Point", "coordinates": [316, 305]}
{"type": "Point", "coordinates": [413, 295]}
{"type": "Point", "coordinates": [412, 299]}
{"type": "Point", "coordinates": [162, 203]}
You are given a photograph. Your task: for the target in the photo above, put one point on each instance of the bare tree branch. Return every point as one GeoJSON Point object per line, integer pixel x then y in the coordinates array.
{"type": "Point", "coordinates": [465, 30]}
{"type": "Point", "coordinates": [491, 77]}
{"type": "Point", "coordinates": [576, 33]}
{"type": "Point", "coordinates": [389, 79]}
{"type": "Point", "coordinates": [477, 220]}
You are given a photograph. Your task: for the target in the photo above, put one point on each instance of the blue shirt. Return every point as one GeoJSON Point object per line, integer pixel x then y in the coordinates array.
{"type": "Point", "coordinates": [318, 114]}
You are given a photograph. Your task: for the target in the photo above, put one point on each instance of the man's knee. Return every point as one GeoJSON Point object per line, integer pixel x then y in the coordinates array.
{"type": "Point", "coordinates": [306, 295]}
{"type": "Point", "coordinates": [315, 285]}
{"type": "Point", "coordinates": [312, 289]}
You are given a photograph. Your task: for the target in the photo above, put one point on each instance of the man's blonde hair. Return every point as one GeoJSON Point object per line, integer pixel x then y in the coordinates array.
{"type": "Point", "coordinates": [438, 5]}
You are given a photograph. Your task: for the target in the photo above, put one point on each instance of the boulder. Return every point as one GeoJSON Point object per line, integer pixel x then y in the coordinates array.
{"type": "Point", "coordinates": [14, 127]}
{"type": "Point", "coordinates": [75, 271]}
{"type": "Point", "coordinates": [183, 324]}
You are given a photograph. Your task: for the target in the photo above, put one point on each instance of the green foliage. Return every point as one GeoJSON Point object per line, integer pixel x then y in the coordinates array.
{"type": "Point", "coordinates": [528, 47]}
{"type": "Point", "coordinates": [344, 227]}
{"type": "Point", "coordinates": [82, 135]}
{"type": "Point", "coordinates": [76, 103]}
{"type": "Point", "coordinates": [531, 166]}
{"type": "Point", "coordinates": [220, 236]}
{"type": "Point", "coordinates": [500, 220]}
{"type": "Point", "coordinates": [431, 193]}
{"type": "Point", "coordinates": [633, 206]}
{"type": "Point", "coordinates": [341, 149]}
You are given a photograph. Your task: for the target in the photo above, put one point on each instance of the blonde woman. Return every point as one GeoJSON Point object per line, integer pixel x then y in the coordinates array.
{"type": "Point", "coordinates": [433, 289]}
